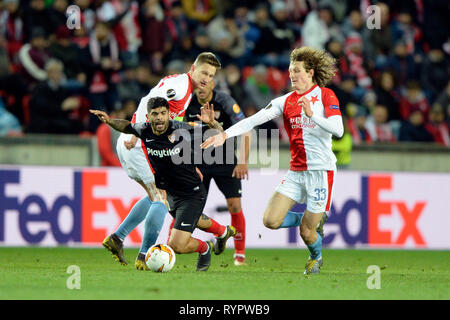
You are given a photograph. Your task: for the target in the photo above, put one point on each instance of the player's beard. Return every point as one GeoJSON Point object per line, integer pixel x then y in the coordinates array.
{"type": "Point", "coordinates": [160, 127]}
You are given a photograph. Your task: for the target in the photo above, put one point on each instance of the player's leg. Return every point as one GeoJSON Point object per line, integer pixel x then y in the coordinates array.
{"type": "Point", "coordinates": [319, 186]}
{"type": "Point", "coordinates": [130, 161]}
{"type": "Point", "coordinates": [222, 233]}
{"type": "Point", "coordinates": [154, 221]}
{"type": "Point", "coordinates": [186, 212]}
{"type": "Point", "coordinates": [276, 210]}
{"type": "Point", "coordinates": [313, 240]}
{"type": "Point", "coordinates": [287, 194]}
{"type": "Point", "coordinates": [231, 188]}
{"type": "Point", "coordinates": [182, 242]}
{"type": "Point", "coordinates": [238, 221]}
{"type": "Point", "coordinates": [207, 224]}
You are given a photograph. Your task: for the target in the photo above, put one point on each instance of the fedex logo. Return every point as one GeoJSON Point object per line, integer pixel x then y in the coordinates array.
{"type": "Point", "coordinates": [82, 204]}
{"type": "Point", "coordinates": [371, 210]}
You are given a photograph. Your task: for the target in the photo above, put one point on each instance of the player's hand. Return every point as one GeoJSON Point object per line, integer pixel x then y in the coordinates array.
{"type": "Point", "coordinates": [215, 141]}
{"type": "Point", "coordinates": [240, 171]}
{"type": "Point", "coordinates": [199, 173]}
{"type": "Point", "coordinates": [305, 104]}
{"type": "Point", "coordinates": [103, 116]}
{"type": "Point", "coordinates": [207, 114]}
{"type": "Point", "coordinates": [130, 144]}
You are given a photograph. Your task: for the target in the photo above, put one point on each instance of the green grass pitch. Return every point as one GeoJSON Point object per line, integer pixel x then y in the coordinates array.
{"type": "Point", "coordinates": [41, 273]}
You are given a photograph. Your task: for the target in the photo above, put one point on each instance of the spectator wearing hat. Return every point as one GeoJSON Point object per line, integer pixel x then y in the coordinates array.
{"type": "Point", "coordinates": [354, 53]}
{"type": "Point", "coordinates": [33, 56]}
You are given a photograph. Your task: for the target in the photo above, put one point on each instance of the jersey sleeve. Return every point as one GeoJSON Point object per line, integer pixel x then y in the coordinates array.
{"type": "Point", "coordinates": [271, 111]}
{"type": "Point", "coordinates": [137, 128]}
{"type": "Point", "coordinates": [230, 106]}
{"type": "Point", "coordinates": [330, 103]}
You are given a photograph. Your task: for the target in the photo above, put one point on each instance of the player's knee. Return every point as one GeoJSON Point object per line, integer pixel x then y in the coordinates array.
{"type": "Point", "coordinates": [177, 246]}
{"type": "Point", "coordinates": [270, 222]}
{"type": "Point", "coordinates": [234, 207]}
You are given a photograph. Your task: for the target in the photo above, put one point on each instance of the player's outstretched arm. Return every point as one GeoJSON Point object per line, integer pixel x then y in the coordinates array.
{"type": "Point", "coordinates": [242, 126]}
{"type": "Point", "coordinates": [117, 124]}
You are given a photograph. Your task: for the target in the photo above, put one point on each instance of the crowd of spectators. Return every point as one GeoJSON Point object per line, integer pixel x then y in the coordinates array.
{"type": "Point", "coordinates": [392, 81]}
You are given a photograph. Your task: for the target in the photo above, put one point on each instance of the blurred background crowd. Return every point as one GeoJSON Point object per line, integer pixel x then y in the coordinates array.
{"type": "Point", "coordinates": [392, 82]}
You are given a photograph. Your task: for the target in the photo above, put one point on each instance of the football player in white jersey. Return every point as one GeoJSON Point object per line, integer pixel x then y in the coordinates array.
{"type": "Point", "coordinates": [311, 116]}
{"type": "Point", "coordinates": [132, 153]}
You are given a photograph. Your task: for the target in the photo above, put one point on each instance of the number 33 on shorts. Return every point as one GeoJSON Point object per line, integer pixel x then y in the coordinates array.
{"type": "Point", "coordinates": [321, 194]}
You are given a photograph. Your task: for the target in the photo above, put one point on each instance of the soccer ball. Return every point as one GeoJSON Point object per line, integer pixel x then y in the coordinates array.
{"type": "Point", "coordinates": [160, 258]}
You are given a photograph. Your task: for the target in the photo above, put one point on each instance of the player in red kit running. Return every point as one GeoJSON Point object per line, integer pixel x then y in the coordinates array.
{"type": "Point", "coordinates": [311, 117]}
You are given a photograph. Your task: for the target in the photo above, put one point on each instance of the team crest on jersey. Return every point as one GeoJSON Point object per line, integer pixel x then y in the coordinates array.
{"type": "Point", "coordinates": [171, 137]}
{"type": "Point", "coordinates": [170, 93]}
{"type": "Point", "coordinates": [236, 108]}
{"type": "Point", "coordinates": [216, 114]}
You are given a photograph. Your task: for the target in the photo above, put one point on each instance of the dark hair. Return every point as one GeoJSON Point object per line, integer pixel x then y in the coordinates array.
{"type": "Point", "coordinates": [157, 102]}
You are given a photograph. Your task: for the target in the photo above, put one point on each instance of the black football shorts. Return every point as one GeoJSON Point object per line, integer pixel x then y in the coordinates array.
{"type": "Point", "coordinates": [187, 209]}
{"type": "Point", "coordinates": [230, 187]}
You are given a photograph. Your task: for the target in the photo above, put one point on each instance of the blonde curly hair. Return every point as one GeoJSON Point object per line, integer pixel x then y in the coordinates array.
{"type": "Point", "coordinates": [323, 64]}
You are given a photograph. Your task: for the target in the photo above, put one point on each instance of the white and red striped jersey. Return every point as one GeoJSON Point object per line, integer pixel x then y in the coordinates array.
{"type": "Point", "coordinates": [310, 138]}
{"type": "Point", "coordinates": [177, 89]}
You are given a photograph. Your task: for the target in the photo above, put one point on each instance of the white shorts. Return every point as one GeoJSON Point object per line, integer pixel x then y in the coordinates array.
{"type": "Point", "coordinates": [315, 188]}
{"type": "Point", "coordinates": [135, 161]}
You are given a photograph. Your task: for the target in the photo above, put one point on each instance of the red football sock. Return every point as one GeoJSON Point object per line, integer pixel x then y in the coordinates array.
{"type": "Point", "coordinates": [238, 221]}
{"type": "Point", "coordinates": [202, 246]}
{"type": "Point", "coordinates": [216, 228]}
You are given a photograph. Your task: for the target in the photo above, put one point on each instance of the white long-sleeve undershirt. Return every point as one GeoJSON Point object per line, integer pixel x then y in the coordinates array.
{"type": "Point", "coordinates": [332, 124]}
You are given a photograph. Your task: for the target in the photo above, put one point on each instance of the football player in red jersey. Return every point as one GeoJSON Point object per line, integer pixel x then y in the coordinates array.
{"type": "Point", "coordinates": [311, 116]}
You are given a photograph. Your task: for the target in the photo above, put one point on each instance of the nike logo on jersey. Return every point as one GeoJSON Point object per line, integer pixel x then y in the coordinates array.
{"type": "Point", "coordinates": [192, 116]}
{"type": "Point", "coordinates": [185, 224]}
{"type": "Point", "coordinates": [149, 140]}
